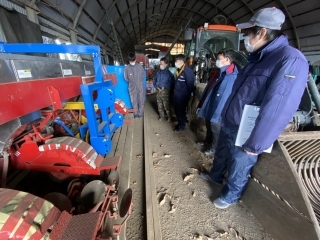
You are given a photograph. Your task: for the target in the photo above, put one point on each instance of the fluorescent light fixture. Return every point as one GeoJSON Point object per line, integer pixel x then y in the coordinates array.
{"type": "Point", "coordinates": [153, 49]}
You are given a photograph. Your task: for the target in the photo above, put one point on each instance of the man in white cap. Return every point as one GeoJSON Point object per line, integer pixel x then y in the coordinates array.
{"type": "Point", "coordinates": [274, 79]}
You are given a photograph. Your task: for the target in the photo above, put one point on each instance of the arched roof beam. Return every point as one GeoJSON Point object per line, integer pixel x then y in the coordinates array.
{"type": "Point", "coordinates": [76, 19]}
{"type": "Point", "coordinates": [135, 4]}
{"type": "Point", "coordinates": [167, 31]}
{"type": "Point", "coordinates": [166, 24]}
{"type": "Point", "coordinates": [160, 31]}
{"type": "Point", "coordinates": [247, 5]}
{"type": "Point", "coordinates": [292, 23]}
{"type": "Point", "coordinates": [99, 26]}
{"type": "Point", "coordinates": [169, 9]}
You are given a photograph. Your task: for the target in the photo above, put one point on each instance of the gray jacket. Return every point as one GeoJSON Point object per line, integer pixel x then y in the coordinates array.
{"type": "Point", "coordinates": [134, 76]}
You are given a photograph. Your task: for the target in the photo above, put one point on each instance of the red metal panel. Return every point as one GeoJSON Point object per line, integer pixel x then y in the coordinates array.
{"type": "Point", "coordinates": [29, 218]}
{"type": "Point", "coordinates": [20, 98]}
{"type": "Point", "coordinates": [62, 155]}
{"type": "Point", "coordinates": [50, 219]}
{"type": "Point", "coordinates": [15, 216]}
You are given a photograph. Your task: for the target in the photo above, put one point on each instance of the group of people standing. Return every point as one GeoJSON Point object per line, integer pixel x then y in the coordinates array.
{"type": "Point", "coordinates": [274, 80]}
{"type": "Point", "coordinates": [180, 87]}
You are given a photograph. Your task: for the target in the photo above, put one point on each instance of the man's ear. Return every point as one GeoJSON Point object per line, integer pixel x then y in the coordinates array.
{"type": "Point", "coordinates": [263, 33]}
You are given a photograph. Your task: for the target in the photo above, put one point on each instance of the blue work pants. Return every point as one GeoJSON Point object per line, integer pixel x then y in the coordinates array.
{"type": "Point", "coordinates": [232, 159]}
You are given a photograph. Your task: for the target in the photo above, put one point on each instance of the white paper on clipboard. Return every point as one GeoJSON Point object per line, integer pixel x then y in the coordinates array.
{"type": "Point", "coordinates": [248, 120]}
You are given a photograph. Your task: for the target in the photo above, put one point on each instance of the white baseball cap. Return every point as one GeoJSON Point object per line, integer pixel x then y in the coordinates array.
{"type": "Point", "coordinates": [271, 18]}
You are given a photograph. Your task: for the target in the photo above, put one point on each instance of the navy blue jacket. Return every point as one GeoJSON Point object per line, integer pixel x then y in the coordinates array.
{"type": "Point", "coordinates": [184, 84]}
{"type": "Point", "coordinates": [163, 79]}
{"type": "Point", "coordinates": [274, 79]}
{"type": "Point", "coordinates": [217, 96]}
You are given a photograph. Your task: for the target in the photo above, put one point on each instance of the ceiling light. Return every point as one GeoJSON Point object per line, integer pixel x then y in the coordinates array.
{"type": "Point", "coordinates": [153, 49]}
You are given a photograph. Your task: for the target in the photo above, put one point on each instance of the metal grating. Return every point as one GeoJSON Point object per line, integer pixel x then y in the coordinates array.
{"type": "Point", "coordinates": [80, 227]}
{"type": "Point", "coordinates": [305, 155]}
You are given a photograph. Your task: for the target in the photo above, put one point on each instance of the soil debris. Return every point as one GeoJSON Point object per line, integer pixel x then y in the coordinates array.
{"type": "Point", "coordinates": [134, 182]}
{"type": "Point", "coordinates": [188, 177]}
{"type": "Point", "coordinates": [139, 156]}
{"type": "Point", "coordinates": [172, 208]}
{"type": "Point", "coordinates": [208, 238]}
{"type": "Point", "coordinates": [235, 234]}
{"type": "Point", "coordinates": [162, 197]}
{"type": "Point", "coordinates": [223, 234]}
{"type": "Point", "coordinates": [194, 194]}
{"type": "Point", "coordinates": [194, 170]}
{"type": "Point", "coordinates": [154, 154]}
{"type": "Point", "coordinates": [167, 155]}
{"type": "Point", "coordinates": [197, 237]}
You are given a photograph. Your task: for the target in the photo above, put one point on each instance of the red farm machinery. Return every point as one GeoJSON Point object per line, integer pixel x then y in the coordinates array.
{"type": "Point", "coordinates": [58, 117]}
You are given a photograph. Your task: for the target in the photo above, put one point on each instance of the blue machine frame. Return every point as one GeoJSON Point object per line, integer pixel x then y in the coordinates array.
{"type": "Point", "coordinates": [101, 126]}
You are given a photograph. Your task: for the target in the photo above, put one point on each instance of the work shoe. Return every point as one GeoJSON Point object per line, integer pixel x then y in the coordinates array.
{"type": "Point", "coordinates": [179, 129]}
{"type": "Point", "coordinates": [209, 152]}
{"type": "Point", "coordinates": [220, 203]}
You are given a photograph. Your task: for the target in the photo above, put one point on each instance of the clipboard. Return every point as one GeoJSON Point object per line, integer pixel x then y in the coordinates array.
{"type": "Point", "coordinates": [247, 123]}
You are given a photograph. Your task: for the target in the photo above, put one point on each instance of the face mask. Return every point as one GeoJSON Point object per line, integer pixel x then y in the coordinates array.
{"type": "Point", "coordinates": [162, 67]}
{"type": "Point", "coordinates": [177, 65]}
{"type": "Point", "coordinates": [248, 46]}
{"type": "Point", "coordinates": [132, 63]}
{"type": "Point", "coordinates": [219, 64]}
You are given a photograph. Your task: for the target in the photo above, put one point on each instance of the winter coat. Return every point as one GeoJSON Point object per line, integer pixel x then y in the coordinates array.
{"type": "Point", "coordinates": [184, 84]}
{"type": "Point", "coordinates": [217, 96]}
{"type": "Point", "coordinates": [274, 79]}
{"type": "Point", "coordinates": [163, 79]}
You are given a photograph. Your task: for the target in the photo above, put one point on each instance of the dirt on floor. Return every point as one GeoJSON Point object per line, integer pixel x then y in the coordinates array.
{"type": "Point", "coordinates": [185, 200]}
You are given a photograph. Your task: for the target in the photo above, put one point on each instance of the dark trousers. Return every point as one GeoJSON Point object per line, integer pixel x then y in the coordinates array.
{"type": "Point", "coordinates": [180, 109]}
{"type": "Point", "coordinates": [212, 135]}
{"type": "Point", "coordinates": [232, 159]}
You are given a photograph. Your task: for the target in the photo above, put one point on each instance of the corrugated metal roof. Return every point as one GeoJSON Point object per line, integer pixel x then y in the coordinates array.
{"type": "Point", "coordinates": [140, 21]}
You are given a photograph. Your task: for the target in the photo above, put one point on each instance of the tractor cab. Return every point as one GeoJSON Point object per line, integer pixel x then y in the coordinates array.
{"type": "Point", "coordinates": [202, 46]}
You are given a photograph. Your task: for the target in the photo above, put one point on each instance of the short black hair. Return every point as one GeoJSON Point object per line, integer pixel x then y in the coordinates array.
{"type": "Point", "coordinates": [181, 57]}
{"type": "Point", "coordinates": [165, 60]}
{"type": "Point", "coordinates": [227, 52]}
{"type": "Point", "coordinates": [131, 56]}
{"type": "Point", "coordinates": [270, 35]}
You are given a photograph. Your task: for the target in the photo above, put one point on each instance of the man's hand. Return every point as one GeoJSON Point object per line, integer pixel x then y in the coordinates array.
{"type": "Point", "coordinates": [250, 153]}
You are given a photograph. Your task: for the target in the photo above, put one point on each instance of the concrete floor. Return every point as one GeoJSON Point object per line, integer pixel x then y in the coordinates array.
{"type": "Point", "coordinates": [184, 199]}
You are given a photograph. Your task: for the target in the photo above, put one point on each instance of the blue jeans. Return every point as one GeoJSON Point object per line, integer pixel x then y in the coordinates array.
{"type": "Point", "coordinates": [232, 159]}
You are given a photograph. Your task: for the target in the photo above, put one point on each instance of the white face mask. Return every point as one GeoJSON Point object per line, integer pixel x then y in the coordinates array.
{"type": "Point", "coordinates": [132, 63]}
{"type": "Point", "coordinates": [162, 67]}
{"type": "Point", "coordinates": [219, 64]}
{"type": "Point", "coordinates": [177, 65]}
{"type": "Point", "coordinates": [248, 46]}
